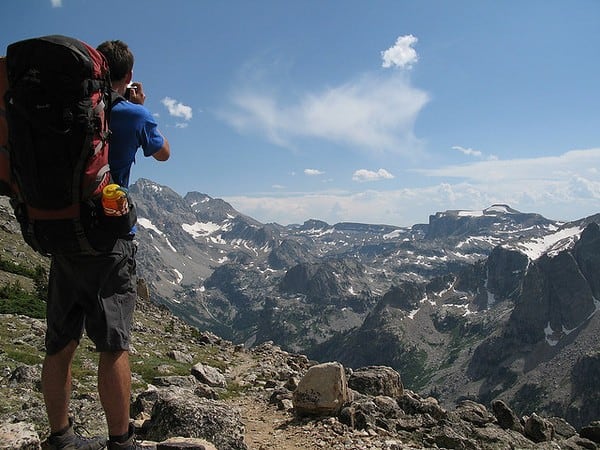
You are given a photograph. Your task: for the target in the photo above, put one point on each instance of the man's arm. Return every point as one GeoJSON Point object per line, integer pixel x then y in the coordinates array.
{"type": "Point", "coordinates": [137, 96]}
{"type": "Point", "coordinates": [164, 152]}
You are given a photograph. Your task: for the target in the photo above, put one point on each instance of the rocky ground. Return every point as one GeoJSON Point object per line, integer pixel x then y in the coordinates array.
{"type": "Point", "coordinates": [193, 384]}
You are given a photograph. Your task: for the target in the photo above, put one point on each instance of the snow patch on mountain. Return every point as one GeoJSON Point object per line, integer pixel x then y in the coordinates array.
{"type": "Point", "coordinates": [499, 209]}
{"type": "Point", "coordinates": [491, 211]}
{"type": "Point", "coordinates": [314, 232]}
{"type": "Point", "coordinates": [464, 213]}
{"type": "Point", "coordinates": [218, 240]}
{"type": "Point", "coordinates": [146, 223]}
{"type": "Point", "coordinates": [170, 245]}
{"type": "Point", "coordinates": [553, 337]}
{"type": "Point", "coordinates": [204, 200]}
{"type": "Point", "coordinates": [475, 240]}
{"type": "Point", "coordinates": [550, 244]}
{"type": "Point", "coordinates": [200, 229]}
{"type": "Point", "coordinates": [179, 276]}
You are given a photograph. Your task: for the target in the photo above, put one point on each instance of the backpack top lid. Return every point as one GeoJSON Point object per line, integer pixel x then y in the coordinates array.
{"type": "Point", "coordinates": [56, 60]}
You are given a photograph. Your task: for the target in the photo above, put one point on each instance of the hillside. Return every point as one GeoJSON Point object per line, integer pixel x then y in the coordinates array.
{"type": "Point", "coordinates": [491, 306]}
{"type": "Point", "coordinates": [243, 400]}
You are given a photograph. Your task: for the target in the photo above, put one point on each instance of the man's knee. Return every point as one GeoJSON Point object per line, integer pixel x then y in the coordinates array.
{"type": "Point", "coordinates": [114, 357]}
{"type": "Point", "coordinates": [66, 352]}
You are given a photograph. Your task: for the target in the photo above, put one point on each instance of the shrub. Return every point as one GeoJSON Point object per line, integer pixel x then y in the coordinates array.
{"type": "Point", "coordinates": [16, 300]}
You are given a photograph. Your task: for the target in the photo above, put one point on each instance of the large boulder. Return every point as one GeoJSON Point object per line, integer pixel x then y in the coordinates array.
{"type": "Point", "coordinates": [209, 375]}
{"type": "Point", "coordinates": [322, 391]}
{"type": "Point", "coordinates": [505, 416]}
{"type": "Point", "coordinates": [179, 413]}
{"type": "Point", "coordinates": [376, 380]}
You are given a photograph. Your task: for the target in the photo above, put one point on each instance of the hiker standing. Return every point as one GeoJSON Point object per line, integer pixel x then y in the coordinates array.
{"type": "Point", "coordinates": [105, 283]}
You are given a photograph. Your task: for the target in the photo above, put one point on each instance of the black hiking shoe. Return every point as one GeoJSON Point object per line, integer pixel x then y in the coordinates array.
{"type": "Point", "coordinates": [130, 444]}
{"type": "Point", "coordinates": [69, 440]}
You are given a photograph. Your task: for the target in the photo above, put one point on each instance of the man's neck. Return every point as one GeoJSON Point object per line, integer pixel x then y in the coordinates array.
{"type": "Point", "coordinates": [119, 87]}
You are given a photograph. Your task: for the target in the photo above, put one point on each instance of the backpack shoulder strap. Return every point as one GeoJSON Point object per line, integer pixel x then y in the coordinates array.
{"type": "Point", "coordinates": [115, 98]}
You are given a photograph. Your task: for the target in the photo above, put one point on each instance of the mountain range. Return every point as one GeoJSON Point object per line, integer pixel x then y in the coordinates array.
{"type": "Point", "coordinates": [483, 305]}
{"type": "Point", "coordinates": [474, 305]}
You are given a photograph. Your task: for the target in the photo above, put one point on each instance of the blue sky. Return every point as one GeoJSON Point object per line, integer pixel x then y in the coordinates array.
{"type": "Point", "coordinates": [369, 111]}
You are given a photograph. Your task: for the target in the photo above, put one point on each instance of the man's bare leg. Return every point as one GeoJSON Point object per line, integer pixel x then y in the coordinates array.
{"type": "Point", "coordinates": [56, 386]}
{"type": "Point", "coordinates": [114, 387]}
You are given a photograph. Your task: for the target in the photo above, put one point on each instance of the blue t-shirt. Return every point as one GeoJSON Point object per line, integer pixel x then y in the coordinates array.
{"type": "Point", "coordinates": [132, 126]}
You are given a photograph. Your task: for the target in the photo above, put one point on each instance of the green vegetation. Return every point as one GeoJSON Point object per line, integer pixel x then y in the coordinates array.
{"type": "Point", "coordinates": [413, 368]}
{"type": "Point", "coordinates": [233, 390]}
{"type": "Point", "coordinates": [18, 269]}
{"type": "Point", "coordinates": [14, 299]}
{"type": "Point", "coordinates": [149, 367]}
{"type": "Point", "coordinates": [461, 339]}
{"type": "Point", "coordinates": [26, 356]}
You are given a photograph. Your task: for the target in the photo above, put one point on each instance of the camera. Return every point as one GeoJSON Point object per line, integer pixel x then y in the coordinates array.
{"type": "Point", "coordinates": [128, 90]}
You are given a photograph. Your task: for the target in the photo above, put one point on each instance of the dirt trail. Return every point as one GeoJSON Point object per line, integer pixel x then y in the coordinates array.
{"type": "Point", "coordinates": [269, 428]}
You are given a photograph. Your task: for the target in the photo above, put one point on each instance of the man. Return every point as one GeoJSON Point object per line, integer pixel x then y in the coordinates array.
{"type": "Point", "coordinates": [100, 290]}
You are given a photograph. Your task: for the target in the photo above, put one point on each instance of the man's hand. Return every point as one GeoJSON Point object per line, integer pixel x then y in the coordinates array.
{"type": "Point", "coordinates": [136, 95]}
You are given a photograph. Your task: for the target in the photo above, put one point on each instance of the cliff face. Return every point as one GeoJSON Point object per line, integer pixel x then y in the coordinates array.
{"type": "Point", "coordinates": [505, 271]}
{"type": "Point", "coordinates": [548, 340]}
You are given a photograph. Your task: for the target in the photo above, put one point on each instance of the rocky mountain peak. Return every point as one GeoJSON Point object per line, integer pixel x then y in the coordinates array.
{"type": "Point", "coordinates": [314, 224]}
{"type": "Point", "coordinates": [210, 209]}
{"type": "Point", "coordinates": [499, 217]}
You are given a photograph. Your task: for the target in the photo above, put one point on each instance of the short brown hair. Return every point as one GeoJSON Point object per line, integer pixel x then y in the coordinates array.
{"type": "Point", "coordinates": [119, 58]}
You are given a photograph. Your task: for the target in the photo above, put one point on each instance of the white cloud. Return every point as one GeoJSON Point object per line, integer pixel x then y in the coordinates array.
{"type": "Point", "coordinates": [376, 113]}
{"type": "Point", "coordinates": [56, 3]}
{"type": "Point", "coordinates": [373, 111]}
{"type": "Point", "coordinates": [472, 152]}
{"type": "Point", "coordinates": [313, 172]}
{"type": "Point", "coordinates": [177, 109]}
{"type": "Point", "coordinates": [548, 168]}
{"type": "Point", "coordinates": [363, 175]}
{"type": "Point", "coordinates": [398, 207]}
{"type": "Point", "coordinates": [181, 125]}
{"type": "Point", "coordinates": [467, 151]}
{"type": "Point", "coordinates": [409, 206]}
{"type": "Point", "coordinates": [401, 54]}
{"type": "Point", "coordinates": [561, 188]}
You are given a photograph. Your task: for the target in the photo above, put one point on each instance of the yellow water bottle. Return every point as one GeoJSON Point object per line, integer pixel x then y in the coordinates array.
{"type": "Point", "coordinates": [114, 200]}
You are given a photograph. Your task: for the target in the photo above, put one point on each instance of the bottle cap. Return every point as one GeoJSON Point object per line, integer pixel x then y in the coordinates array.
{"type": "Point", "coordinates": [113, 191]}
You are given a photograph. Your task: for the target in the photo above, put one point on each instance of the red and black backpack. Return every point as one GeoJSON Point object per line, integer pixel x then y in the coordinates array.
{"type": "Point", "coordinates": [57, 110]}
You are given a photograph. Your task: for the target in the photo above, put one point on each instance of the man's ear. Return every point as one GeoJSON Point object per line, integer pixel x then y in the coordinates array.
{"type": "Point", "coordinates": [129, 77]}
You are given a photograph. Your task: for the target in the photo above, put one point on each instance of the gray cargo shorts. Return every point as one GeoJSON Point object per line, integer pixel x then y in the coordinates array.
{"type": "Point", "coordinates": [95, 292]}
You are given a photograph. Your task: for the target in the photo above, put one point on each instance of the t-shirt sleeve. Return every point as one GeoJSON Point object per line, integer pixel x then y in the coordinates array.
{"type": "Point", "coordinates": [151, 140]}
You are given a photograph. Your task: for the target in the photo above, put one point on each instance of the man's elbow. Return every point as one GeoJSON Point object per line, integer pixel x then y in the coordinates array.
{"type": "Point", "coordinates": [164, 153]}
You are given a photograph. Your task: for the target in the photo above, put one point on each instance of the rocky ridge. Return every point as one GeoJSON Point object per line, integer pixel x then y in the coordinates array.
{"type": "Point", "coordinates": [196, 385]}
